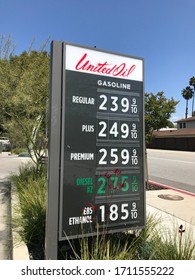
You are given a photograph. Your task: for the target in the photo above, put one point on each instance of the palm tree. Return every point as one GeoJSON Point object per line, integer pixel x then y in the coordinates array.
{"type": "Point", "coordinates": [192, 83]}
{"type": "Point", "coordinates": [187, 94]}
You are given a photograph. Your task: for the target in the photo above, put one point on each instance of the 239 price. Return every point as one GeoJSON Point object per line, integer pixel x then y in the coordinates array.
{"type": "Point", "coordinates": [117, 104]}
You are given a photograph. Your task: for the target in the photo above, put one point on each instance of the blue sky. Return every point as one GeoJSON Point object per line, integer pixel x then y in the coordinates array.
{"type": "Point", "coordinates": [160, 31]}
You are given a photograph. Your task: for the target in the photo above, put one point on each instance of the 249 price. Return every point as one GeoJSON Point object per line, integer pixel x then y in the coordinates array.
{"type": "Point", "coordinates": [117, 130]}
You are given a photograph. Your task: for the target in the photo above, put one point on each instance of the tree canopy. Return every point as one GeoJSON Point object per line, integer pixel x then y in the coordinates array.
{"type": "Point", "coordinates": [24, 90]}
{"type": "Point", "coordinates": [192, 84]}
{"type": "Point", "coordinates": [158, 110]}
{"type": "Point", "coordinates": [187, 94]}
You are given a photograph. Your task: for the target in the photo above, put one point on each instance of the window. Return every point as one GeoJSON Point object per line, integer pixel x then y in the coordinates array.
{"type": "Point", "coordinates": [182, 125]}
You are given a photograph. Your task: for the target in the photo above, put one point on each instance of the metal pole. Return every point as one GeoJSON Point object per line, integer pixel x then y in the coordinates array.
{"type": "Point", "coordinates": [51, 241]}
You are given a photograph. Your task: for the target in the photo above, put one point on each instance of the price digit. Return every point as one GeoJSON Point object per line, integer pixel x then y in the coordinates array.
{"type": "Point", "coordinates": [125, 104]}
{"type": "Point", "coordinates": [124, 130]}
{"type": "Point", "coordinates": [125, 156]}
{"type": "Point", "coordinates": [103, 104]}
{"type": "Point", "coordinates": [103, 129]}
{"type": "Point", "coordinates": [114, 155]}
{"type": "Point", "coordinates": [113, 212]}
{"type": "Point", "coordinates": [101, 189]}
{"type": "Point", "coordinates": [114, 107]}
{"type": "Point", "coordinates": [102, 159]}
{"type": "Point", "coordinates": [114, 129]}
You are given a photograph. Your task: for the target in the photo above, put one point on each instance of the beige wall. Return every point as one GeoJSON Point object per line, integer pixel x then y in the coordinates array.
{"type": "Point", "coordinates": [188, 124]}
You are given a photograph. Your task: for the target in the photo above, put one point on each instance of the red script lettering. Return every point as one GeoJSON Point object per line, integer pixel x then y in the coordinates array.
{"type": "Point", "coordinates": [121, 70]}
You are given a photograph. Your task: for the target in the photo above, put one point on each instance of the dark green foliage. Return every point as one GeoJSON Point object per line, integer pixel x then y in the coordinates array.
{"type": "Point", "coordinates": [192, 83]}
{"type": "Point", "coordinates": [24, 90]}
{"type": "Point", "coordinates": [187, 94]}
{"type": "Point", "coordinates": [158, 110]}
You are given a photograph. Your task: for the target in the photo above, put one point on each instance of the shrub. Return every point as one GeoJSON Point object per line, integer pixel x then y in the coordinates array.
{"type": "Point", "coordinates": [30, 213]}
{"type": "Point", "coordinates": [114, 246]}
{"type": "Point", "coordinates": [17, 151]}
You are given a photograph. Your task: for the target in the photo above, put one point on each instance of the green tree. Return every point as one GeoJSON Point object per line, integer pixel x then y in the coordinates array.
{"type": "Point", "coordinates": [4, 85]}
{"type": "Point", "coordinates": [158, 110]}
{"type": "Point", "coordinates": [6, 51]}
{"type": "Point", "coordinates": [24, 89]}
{"type": "Point", "coordinates": [28, 105]}
{"type": "Point", "coordinates": [192, 83]}
{"type": "Point", "coordinates": [187, 94]}
{"type": "Point", "coordinates": [11, 71]}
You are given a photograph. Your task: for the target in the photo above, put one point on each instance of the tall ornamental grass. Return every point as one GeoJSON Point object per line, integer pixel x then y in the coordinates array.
{"type": "Point", "coordinates": [30, 211]}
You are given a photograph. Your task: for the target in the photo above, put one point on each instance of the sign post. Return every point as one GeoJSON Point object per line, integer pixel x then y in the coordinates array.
{"type": "Point", "coordinates": [100, 185]}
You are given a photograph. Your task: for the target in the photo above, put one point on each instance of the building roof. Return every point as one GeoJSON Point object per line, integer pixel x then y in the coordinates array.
{"type": "Point", "coordinates": [186, 119]}
{"type": "Point", "coordinates": [184, 132]}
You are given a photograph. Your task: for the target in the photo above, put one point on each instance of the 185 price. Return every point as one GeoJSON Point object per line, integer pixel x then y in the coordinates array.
{"type": "Point", "coordinates": [116, 212]}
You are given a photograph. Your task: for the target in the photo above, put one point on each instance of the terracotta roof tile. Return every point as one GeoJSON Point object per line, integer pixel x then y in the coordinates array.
{"type": "Point", "coordinates": [186, 119]}
{"type": "Point", "coordinates": [184, 132]}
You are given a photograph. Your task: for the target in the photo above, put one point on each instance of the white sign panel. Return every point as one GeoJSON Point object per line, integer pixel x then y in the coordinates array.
{"type": "Point", "coordinates": [104, 64]}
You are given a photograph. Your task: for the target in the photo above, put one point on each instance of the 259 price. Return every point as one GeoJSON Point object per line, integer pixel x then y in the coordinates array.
{"type": "Point", "coordinates": [113, 155]}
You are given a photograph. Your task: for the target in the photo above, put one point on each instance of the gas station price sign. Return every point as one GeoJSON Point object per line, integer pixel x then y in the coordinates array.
{"type": "Point", "coordinates": [102, 182]}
